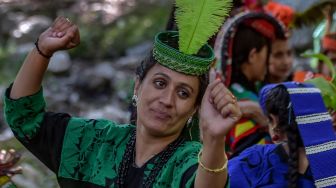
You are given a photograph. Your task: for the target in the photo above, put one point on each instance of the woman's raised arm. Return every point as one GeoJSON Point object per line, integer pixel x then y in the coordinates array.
{"type": "Point", "coordinates": [61, 35]}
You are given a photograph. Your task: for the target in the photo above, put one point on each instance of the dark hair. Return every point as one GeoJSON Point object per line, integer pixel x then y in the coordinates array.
{"type": "Point", "coordinates": [245, 40]}
{"type": "Point", "coordinates": [278, 103]}
{"type": "Point", "coordinates": [148, 63]}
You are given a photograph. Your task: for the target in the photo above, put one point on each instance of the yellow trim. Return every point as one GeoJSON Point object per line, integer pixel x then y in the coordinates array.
{"type": "Point", "coordinates": [241, 128]}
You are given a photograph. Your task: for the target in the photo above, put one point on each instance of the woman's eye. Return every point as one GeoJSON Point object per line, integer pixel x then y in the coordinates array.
{"type": "Point", "coordinates": [159, 84]}
{"type": "Point", "coordinates": [183, 94]}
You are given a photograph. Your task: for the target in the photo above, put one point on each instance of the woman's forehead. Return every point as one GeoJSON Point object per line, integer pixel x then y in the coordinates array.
{"type": "Point", "coordinates": [159, 70]}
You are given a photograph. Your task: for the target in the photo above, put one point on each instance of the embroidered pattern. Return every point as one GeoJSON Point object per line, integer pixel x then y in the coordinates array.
{"type": "Point", "coordinates": [320, 147]}
{"type": "Point", "coordinates": [326, 182]}
{"type": "Point", "coordinates": [303, 90]}
{"type": "Point", "coordinates": [313, 118]}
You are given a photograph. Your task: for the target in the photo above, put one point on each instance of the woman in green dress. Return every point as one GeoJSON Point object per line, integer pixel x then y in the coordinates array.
{"type": "Point", "coordinates": [155, 152]}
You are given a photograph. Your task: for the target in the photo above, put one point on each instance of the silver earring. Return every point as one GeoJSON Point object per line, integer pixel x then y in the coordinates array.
{"type": "Point", "coordinates": [189, 121]}
{"type": "Point", "coordinates": [134, 100]}
{"type": "Point", "coordinates": [189, 126]}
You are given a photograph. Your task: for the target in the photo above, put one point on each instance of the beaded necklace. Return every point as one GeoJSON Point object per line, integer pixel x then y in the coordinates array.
{"type": "Point", "coordinates": [129, 158]}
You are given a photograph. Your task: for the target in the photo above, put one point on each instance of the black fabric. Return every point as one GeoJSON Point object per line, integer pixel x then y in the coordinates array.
{"type": "Point", "coordinates": [134, 177]}
{"type": "Point", "coordinates": [47, 144]}
{"type": "Point", "coordinates": [71, 183]}
{"type": "Point", "coordinates": [248, 142]}
{"type": "Point", "coordinates": [187, 175]}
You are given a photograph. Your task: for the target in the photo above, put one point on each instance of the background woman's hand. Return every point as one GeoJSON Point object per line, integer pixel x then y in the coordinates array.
{"type": "Point", "coordinates": [252, 110]}
{"type": "Point", "coordinates": [62, 35]}
{"type": "Point", "coordinates": [219, 111]}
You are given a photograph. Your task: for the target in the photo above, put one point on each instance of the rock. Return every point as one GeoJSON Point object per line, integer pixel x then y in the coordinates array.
{"type": "Point", "coordinates": [128, 62]}
{"type": "Point", "coordinates": [94, 83]}
{"type": "Point", "coordinates": [104, 70]}
{"type": "Point", "coordinates": [23, 49]}
{"type": "Point", "coordinates": [30, 28]}
{"type": "Point", "coordinates": [141, 49]}
{"type": "Point", "coordinates": [112, 112]}
{"type": "Point", "coordinates": [60, 62]}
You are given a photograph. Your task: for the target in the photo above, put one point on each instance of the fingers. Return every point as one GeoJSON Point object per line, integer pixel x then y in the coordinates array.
{"type": "Point", "coordinates": [232, 111]}
{"type": "Point", "coordinates": [74, 37]}
{"type": "Point", "coordinates": [60, 26]}
{"type": "Point", "coordinates": [223, 100]}
{"type": "Point", "coordinates": [212, 75]}
{"type": "Point", "coordinates": [220, 93]}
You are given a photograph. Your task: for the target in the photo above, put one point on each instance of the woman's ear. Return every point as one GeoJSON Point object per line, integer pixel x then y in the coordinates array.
{"type": "Point", "coordinates": [136, 86]}
{"type": "Point", "coordinates": [252, 57]}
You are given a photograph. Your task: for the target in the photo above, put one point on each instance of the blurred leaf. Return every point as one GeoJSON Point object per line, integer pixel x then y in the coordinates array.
{"type": "Point", "coordinates": [328, 91]}
{"type": "Point", "coordinates": [328, 88]}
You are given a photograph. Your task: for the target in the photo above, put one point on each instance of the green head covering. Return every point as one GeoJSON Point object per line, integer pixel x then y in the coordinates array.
{"type": "Point", "coordinates": [187, 51]}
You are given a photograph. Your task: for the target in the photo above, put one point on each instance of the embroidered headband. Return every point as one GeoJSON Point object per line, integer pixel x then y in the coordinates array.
{"type": "Point", "coordinates": [172, 58]}
{"type": "Point", "coordinates": [261, 22]}
{"type": "Point", "coordinates": [315, 127]}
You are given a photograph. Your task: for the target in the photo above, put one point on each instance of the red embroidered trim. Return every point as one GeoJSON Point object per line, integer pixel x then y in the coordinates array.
{"type": "Point", "coordinates": [262, 26]}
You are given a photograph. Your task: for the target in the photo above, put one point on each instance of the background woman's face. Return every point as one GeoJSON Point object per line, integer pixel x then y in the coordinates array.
{"type": "Point", "coordinates": [281, 59]}
{"type": "Point", "coordinates": [166, 99]}
{"type": "Point", "coordinates": [259, 67]}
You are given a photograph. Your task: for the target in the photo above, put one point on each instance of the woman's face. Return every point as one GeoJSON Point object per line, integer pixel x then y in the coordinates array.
{"type": "Point", "coordinates": [273, 127]}
{"type": "Point", "coordinates": [281, 60]}
{"type": "Point", "coordinates": [166, 99]}
{"type": "Point", "coordinates": [258, 68]}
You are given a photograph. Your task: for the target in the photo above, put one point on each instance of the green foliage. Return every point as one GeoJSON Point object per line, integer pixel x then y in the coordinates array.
{"type": "Point", "coordinates": [197, 22]}
{"type": "Point", "coordinates": [9, 63]}
{"type": "Point", "coordinates": [328, 88]}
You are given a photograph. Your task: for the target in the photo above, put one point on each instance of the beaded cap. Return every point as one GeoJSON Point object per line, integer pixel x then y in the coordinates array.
{"type": "Point", "coordinates": [187, 51]}
{"type": "Point", "coordinates": [167, 55]}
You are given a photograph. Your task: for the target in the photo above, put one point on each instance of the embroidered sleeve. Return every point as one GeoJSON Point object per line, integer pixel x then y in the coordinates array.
{"type": "Point", "coordinates": [24, 115]}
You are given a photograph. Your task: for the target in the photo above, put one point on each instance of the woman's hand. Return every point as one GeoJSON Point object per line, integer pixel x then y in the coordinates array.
{"type": "Point", "coordinates": [62, 35]}
{"type": "Point", "coordinates": [219, 111]}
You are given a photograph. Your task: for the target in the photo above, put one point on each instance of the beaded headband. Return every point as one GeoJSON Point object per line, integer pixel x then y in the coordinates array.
{"type": "Point", "coordinates": [172, 58]}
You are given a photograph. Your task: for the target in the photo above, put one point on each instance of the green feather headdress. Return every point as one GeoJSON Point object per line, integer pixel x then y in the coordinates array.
{"type": "Point", "coordinates": [187, 50]}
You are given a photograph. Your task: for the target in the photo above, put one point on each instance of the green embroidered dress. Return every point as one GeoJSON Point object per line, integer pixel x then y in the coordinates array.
{"type": "Point", "coordinates": [88, 152]}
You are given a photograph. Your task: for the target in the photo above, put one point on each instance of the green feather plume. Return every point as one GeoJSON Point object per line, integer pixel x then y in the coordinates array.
{"type": "Point", "coordinates": [313, 15]}
{"type": "Point", "coordinates": [198, 20]}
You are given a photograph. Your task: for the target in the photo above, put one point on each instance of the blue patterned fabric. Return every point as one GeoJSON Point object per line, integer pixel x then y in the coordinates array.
{"type": "Point", "coordinates": [264, 166]}
{"type": "Point", "coordinates": [315, 126]}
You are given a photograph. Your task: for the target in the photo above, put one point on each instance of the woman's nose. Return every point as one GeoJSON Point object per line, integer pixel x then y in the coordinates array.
{"type": "Point", "coordinates": [167, 97]}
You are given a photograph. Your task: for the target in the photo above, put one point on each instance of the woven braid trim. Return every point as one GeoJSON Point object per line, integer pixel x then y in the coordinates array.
{"type": "Point", "coordinates": [180, 62]}
{"type": "Point", "coordinates": [303, 90]}
{"type": "Point", "coordinates": [326, 182]}
{"type": "Point", "coordinates": [320, 147]}
{"type": "Point", "coordinates": [179, 66]}
{"type": "Point", "coordinates": [313, 118]}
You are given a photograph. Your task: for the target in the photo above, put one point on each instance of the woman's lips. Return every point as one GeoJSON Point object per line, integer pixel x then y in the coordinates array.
{"type": "Point", "coordinates": [159, 114]}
